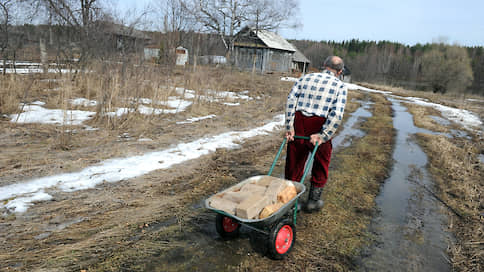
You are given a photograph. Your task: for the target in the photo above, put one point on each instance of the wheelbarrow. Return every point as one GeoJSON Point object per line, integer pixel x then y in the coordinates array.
{"type": "Point", "coordinates": [279, 227]}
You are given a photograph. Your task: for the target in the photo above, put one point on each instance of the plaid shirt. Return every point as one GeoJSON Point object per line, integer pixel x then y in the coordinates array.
{"type": "Point", "coordinates": [320, 94]}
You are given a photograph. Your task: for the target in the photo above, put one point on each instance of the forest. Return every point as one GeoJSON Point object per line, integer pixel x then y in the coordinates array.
{"type": "Point", "coordinates": [437, 67]}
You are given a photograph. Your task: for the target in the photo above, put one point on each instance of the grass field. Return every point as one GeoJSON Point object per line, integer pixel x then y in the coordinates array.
{"type": "Point", "coordinates": [154, 222]}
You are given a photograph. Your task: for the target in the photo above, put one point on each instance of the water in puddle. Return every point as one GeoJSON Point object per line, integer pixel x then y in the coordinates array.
{"type": "Point", "coordinates": [350, 131]}
{"type": "Point", "coordinates": [200, 248]}
{"type": "Point", "coordinates": [409, 229]}
{"type": "Point", "coordinates": [440, 120]}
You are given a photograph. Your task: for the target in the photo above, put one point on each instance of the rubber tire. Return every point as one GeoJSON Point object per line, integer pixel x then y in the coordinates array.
{"type": "Point", "coordinates": [285, 225]}
{"type": "Point", "coordinates": [219, 225]}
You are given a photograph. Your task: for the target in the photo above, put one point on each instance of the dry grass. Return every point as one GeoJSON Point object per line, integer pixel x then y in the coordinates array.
{"type": "Point", "coordinates": [115, 212]}
{"type": "Point", "coordinates": [421, 117]}
{"type": "Point", "coordinates": [460, 179]}
{"type": "Point", "coordinates": [115, 86]}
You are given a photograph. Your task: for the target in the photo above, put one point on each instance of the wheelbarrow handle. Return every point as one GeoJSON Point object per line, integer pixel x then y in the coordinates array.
{"type": "Point", "coordinates": [306, 170]}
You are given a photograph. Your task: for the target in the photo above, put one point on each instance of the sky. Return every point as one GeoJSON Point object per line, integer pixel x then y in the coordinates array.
{"type": "Point", "coordinates": [404, 21]}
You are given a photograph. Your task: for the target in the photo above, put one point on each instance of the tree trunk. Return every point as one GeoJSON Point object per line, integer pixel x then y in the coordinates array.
{"type": "Point", "coordinates": [43, 56]}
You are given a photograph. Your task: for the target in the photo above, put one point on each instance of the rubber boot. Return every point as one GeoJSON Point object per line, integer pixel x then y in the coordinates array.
{"type": "Point", "coordinates": [315, 203]}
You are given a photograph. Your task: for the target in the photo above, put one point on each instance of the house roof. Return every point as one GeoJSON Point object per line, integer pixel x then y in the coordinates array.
{"type": "Point", "coordinates": [299, 57]}
{"type": "Point", "coordinates": [122, 30]}
{"type": "Point", "coordinates": [273, 40]}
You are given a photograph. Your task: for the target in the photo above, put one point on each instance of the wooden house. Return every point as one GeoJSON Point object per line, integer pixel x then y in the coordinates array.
{"type": "Point", "coordinates": [262, 51]}
{"type": "Point", "coordinates": [300, 63]}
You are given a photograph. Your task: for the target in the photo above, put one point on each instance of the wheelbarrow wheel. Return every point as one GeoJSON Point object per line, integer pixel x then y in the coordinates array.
{"type": "Point", "coordinates": [226, 226]}
{"type": "Point", "coordinates": [282, 239]}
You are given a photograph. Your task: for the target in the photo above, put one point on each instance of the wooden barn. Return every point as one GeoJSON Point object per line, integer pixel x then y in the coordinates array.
{"type": "Point", "coordinates": [262, 51]}
{"type": "Point", "coordinates": [299, 62]}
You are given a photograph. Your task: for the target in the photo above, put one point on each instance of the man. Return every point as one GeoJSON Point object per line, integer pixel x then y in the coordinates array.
{"type": "Point", "coordinates": [315, 108]}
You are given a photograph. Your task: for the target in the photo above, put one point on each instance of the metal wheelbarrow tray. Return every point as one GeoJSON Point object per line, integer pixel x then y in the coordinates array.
{"type": "Point", "coordinates": [278, 226]}
{"type": "Point", "coordinates": [264, 222]}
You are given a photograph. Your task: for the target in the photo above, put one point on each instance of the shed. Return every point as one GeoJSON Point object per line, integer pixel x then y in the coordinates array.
{"type": "Point", "coordinates": [181, 56]}
{"type": "Point", "coordinates": [299, 62]}
{"type": "Point", "coordinates": [123, 38]}
{"type": "Point", "coordinates": [262, 50]}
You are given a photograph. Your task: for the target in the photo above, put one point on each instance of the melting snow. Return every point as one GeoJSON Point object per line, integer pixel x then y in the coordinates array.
{"type": "Point", "coordinates": [37, 114]}
{"type": "Point", "coordinates": [196, 119]}
{"type": "Point", "coordinates": [464, 117]}
{"type": "Point", "coordinates": [352, 86]}
{"type": "Point", "coordinates": [21, 195]}
{"type": "Point", "coordinates": [83, 102]}
{"type": "Point", "coordinates": [468, 119]}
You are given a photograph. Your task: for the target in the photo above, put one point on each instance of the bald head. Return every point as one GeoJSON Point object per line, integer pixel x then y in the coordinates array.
{"type": "Point", "coordinates": [334, 62]}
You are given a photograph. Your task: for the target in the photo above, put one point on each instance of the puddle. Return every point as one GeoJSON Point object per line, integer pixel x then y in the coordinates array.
{"type": "Point", "coordinates": [453, 132]}
{"type": "Point", "coordinates": [58, 223]}
{"type": "Point", "coordinates": [200, 248]}
{"type": "Point", "coordinates": [409, 228]}
{"type": "Point", "coordinates": [440, 120]}
{"type": "Point", "coordinates": [350, 131]}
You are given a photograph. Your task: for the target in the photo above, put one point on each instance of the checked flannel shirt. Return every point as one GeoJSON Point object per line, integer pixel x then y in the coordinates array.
{"type": "Point", "coordinates": [318, 94]}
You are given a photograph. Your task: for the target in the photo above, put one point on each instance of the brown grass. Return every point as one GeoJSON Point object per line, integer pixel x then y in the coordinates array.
{"type": "Point", "coordinates": [460, 179]}
{"type": "Point", "coordinates": [115, 212]}
{"type": "Point", "coordinates": [421, 117]}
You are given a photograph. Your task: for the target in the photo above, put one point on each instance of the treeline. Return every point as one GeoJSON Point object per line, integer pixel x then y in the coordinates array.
{"type": "Point", "coordinates": [437, 67]}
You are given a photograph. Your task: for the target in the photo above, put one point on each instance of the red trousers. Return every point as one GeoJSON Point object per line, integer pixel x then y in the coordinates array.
{"type": "Point", "coordinates": [299, 149]}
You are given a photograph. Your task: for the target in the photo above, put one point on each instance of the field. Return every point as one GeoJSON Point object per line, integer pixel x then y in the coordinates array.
{"type": "Point", "coordinates": [145, 145]}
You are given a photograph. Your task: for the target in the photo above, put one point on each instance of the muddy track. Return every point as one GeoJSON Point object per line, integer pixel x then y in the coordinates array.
{"type": "Point", "coordinates": [156, 222]}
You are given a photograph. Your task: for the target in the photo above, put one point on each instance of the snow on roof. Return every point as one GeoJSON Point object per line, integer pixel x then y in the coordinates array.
{"type": "Point", "coordinates": [273, 40]}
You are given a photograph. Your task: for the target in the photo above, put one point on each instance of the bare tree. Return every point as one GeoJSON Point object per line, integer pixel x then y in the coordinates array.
{"type": "Point", "coordinates": [5, 6]}
{"type": "Point", "coordinates": [75, 15]}
{"type": "Point", "coordinates": [227, 17]}
{"type": "Point", "coordinates": [174, 24]}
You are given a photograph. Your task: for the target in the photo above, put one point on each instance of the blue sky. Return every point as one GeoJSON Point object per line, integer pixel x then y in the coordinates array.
{"type": "Point", "coordinates": [404, 21]}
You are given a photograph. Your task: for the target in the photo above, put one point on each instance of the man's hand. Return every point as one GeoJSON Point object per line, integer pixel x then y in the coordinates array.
{"type": "Point", "coordinates": [290, 136]}
{"type": "Point", "coordinates": [315, 138]}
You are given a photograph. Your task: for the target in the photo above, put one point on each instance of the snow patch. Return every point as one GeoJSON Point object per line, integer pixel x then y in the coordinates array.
{"type": "Point", "coordinates": [291, 79]}
{"type": "Point", "coordinates": [352, 86]}
{"type": "Point", "coordinates": [38, 114]}
{"type": "Point", "coordinates": [464, 117]}
{"type": "Point", "coordinates": [21, 195]}
{"type": "Point", "coordinates": [83, 102]}
{"type": "Point", "coordinates": [21, 204]}
{"type": "Point", "coordinates": [196, 119]}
